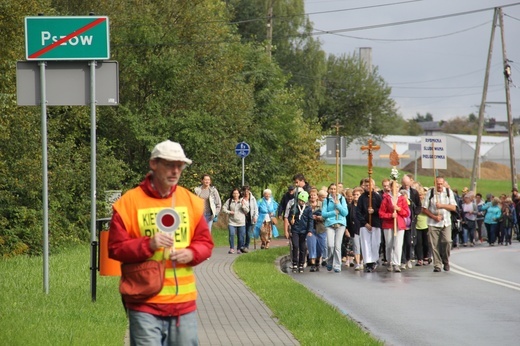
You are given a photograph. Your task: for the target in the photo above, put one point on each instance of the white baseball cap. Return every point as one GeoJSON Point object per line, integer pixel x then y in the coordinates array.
{"type": "Point", "coordinates": [171, 151]}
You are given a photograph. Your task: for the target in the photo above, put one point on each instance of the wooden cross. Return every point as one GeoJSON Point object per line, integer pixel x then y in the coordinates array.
{"type": "Point", "coordinates": [370, 148]}
{"type": "Point", "coordinates": [394, 162]}
{"type": "Point", "coordinates": [394, 157]}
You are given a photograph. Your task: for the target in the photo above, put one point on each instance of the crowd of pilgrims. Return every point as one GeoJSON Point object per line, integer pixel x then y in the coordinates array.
{"type": "Point", "coordinates": [368, 225]}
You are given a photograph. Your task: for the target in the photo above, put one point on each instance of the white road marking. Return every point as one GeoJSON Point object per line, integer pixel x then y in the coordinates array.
{"type": "Point", "coordinates": [463, 271]}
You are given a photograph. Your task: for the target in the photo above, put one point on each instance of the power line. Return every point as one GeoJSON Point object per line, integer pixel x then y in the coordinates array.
{"type": "Point", "coordinates": [443, 88]}
{"type": "Point", "coordinates": [440, 96]}
{"type": "Point", "coordinates": [320, 12]}
{"type": "Point", "coordinates": [411, 21]}
{"type": "Point", "coordinates": [439, 79]}
{"type": "Point", "coordinates": [411, 39]}
{"type": "Point", "coordinates": [506, 15]}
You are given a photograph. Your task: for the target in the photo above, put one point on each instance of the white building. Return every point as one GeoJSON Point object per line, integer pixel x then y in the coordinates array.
{"type": "Point", "coordinates": [460, 148]}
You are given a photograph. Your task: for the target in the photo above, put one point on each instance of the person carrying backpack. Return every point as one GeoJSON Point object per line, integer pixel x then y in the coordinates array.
{"type": "Point", "coordinates": [438, 206]}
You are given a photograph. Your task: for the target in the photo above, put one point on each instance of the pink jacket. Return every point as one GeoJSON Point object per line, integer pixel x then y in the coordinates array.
{"type": "Point", "coordinates": [387, 209]}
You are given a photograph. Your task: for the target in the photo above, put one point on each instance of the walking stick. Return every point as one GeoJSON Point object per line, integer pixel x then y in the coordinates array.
{"type": "Point", "coordinates": [394, 200]}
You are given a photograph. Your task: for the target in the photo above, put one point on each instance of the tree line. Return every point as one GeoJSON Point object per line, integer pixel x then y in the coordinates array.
{"type": "Point", "coordinates": [193, 71]}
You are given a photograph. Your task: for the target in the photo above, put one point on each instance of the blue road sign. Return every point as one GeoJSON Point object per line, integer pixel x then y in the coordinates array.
{"type": "Point", "coordinates": [242, 149]}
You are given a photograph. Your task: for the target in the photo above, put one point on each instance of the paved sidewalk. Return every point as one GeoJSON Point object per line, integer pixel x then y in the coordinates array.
{"type": "Point", "coordinates": [228, 312]}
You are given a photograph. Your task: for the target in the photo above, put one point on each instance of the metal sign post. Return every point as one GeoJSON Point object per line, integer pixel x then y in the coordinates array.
{"type": "Point", "coordinates": [45, 188]}
{"type": "Point", "coordinates": [66, 38]}
{"type": "Point", "coordinates": [242, 150]}
{"type": "Point", "coordinates": [93, 236]}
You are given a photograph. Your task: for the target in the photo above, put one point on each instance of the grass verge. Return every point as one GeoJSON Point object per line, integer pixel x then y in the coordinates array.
{"type": "Point", "coordinates": [65, 316]}
{"type": "Point", "coordinates": [311, 320]}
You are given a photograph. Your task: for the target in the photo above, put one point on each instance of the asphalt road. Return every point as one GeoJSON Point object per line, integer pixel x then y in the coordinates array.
{"type": "Point", "coordinates": [476, 303]}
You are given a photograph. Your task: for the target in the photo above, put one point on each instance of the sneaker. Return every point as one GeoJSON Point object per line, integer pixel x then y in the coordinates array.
{"type": "Point", "coordinates": [389, 268]}
{"type": "Point", "coordinates": [409, 264]}
{"type": "Point", "coordinates": [317, 268]}
{"type": "Point", "coordinates": [357, 267]}
{"type": "Point", "coordinates": [397, 269]}
{"type": "Point", "coordinates": [419, 263]}
{"type": "Point", "coordinates": [244, 250]}
{"type": "Point", "coordinates": [352, 264]}
{"type": "Point", "coordinates": [447, 267]}
{"type": "Point", "coordinates": [324, 263]}
{"type": "Point", "coordinates": [313, 268]}
{"type": "Point", "coordinates": [329, 268]}
{"type": "Point", "coordinates": [295, 270]}
{"type": "Point", "coordinates": [436, 270]}
{"type": "Point", "coordinates": [239, 252]}
{"type": "Point", "coordinates": [403, 266]}
{"type": "Point", "coordinates": [337, 270]}
{"type": "Point", "coordinates": [231, 251]}
{"type": "Point", "coordinates": [300, 269]}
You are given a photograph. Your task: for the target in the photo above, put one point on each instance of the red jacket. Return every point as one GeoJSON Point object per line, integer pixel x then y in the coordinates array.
{"type": "Point", "coordinates": [387, 209]}
{"type": "Point", "coordinates": [122, 247]}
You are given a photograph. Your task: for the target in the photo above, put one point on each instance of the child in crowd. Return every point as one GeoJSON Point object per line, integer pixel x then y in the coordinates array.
{"type": "Point", "coordinates": [302, 222]}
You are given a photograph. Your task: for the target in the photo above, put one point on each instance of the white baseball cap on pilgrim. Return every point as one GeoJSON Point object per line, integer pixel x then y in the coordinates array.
{"type": "Point", "coordinates": [171, 151]}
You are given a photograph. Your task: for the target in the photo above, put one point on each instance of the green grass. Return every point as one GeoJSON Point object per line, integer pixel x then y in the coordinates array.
{"type": "Point", "coordinates": [220, 236]}
{"type": "Point", "coordinates": [353, 174]}
{"type": "Point", "coordinates": [311, 320]}
{"type": "Point", "coordinates": [65, 316]}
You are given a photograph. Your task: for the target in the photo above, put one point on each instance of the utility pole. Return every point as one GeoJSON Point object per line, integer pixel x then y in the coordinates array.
{"type": "Point", "coordinates": [269, 27]}
{"type": "Point", "coordinates": [507, 80]}
{"type": "Point", "coordinates": [476, 157]}
{"type": "Point", "coordinates": [337, 126]}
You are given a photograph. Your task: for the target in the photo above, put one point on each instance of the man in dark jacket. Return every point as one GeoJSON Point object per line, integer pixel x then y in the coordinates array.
{"type": "Point", "coordinates": [414, 203]}
{"type": "Point", "coordinates": [370, 231]}
{"type": "Point", "coordinates": [285, 199]}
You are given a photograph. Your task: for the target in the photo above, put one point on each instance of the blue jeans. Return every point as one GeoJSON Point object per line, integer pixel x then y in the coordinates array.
{"type": "Point", "coordinates": [209, 221]}
{"type": "Point", "coordinates": [249, 234]}
{"type": "Point", "coordinates": [148, 329]}
{"type": "Point", "coordinates": [311, 245]}
{"type": "Point", "coordinates": [492, 232]}
{"type": "Point", "coordinates": [506, 235]}
{"type": "Point", "coordinates": [241, 233]}
{"type": "Point", "coordinates": [321, 245]}
{"type": "Point", "coordinates": [317, 245]}
{"type": "Point", "coordinates": [468, 231]}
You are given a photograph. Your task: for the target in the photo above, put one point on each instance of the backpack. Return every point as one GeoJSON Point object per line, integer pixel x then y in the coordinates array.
{"type": "Point", "coordinates": [456, 216]}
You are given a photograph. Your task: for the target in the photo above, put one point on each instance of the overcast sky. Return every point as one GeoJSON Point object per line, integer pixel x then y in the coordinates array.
{"type": "Point", "coordinates": [434, 66]}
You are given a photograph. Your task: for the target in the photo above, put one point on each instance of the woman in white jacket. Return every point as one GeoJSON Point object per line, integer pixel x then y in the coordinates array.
{"type": "Point", "coordinates": [211, 197]}
{"type": "Point", "coordinates": [236, 208]}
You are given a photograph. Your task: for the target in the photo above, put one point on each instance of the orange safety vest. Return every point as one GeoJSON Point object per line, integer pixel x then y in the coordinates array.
{"type": "Point", "coordinates": [138, 212]}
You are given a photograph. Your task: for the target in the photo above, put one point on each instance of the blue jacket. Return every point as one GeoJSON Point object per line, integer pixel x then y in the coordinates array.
{"type": "Point", "coordinates": [493, 213]}
{"type": "Point", "coordinates": [303, 223]}
{"type": "Point", "coordinates": [265, 209]}
{"type": "Point", "coordinates": [329, 211]}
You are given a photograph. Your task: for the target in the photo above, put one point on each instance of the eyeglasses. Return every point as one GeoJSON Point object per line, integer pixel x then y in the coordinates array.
{"type": "Point", "coordinates": [173, 164]}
